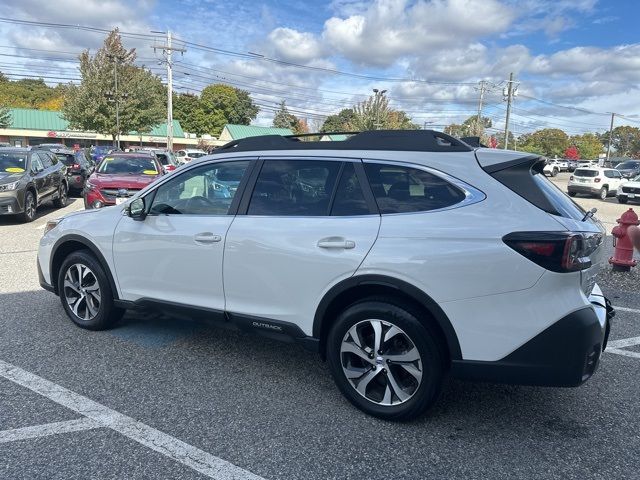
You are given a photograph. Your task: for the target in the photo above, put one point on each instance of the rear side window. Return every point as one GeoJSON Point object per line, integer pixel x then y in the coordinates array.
{"type": "Point", "coordinates": [400, 189]}
{"type": "Point", "coordinates": [581, 172]}
{"type": "Point", "coordinates": [294, 188]}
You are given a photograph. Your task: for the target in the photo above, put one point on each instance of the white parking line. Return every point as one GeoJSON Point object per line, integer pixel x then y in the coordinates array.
{"type": "Point", "coordinates": [624, 342]}
{"type": "Point", "coordinates": [625, 309]}
{"type": "Point", "coordinates": [626, 353]}
{"type": "Point", "coordinates": [35, 431]}
{"type": "Point", "coordinates": [181, 452]}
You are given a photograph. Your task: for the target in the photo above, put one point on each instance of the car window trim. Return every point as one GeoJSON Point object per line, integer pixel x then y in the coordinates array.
{"type": "Point", "coordinates": [235, 202]}
{"type": "Point", "coordinates": [248, 193]}
{"type": "Point", "coordinates": [366, 188]}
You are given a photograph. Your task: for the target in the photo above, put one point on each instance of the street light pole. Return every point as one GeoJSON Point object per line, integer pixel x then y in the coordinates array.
{"type": "Point", "coordinates": [610, 139]}
{"type": "Point", "coordinates": [376, 104]}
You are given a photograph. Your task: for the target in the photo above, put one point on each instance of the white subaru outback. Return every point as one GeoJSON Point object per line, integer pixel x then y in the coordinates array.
{"type": "Point", "coordinates": [399, 256]}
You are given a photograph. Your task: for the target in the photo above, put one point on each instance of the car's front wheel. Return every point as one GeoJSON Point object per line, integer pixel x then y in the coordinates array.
{"type": "Point", "coordinates": [85, 292]}
{"type": "Point", "coordinates": [384, 360]}
{"type": "Point", "coordinates": [30, 205]}
{"type": "Point", "coordinates": [61, 201]}
{"type": "Point", "coordinates": [554, 172]}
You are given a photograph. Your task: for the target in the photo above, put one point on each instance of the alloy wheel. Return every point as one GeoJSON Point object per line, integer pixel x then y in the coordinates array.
{"type": "Point", "coordinates": [30, 206]}
{"type": "Point", "coordinates": [62, 196]}
{"type": "Point", "coordinates": [82, 291]}
{"type": "Point", "coordinates": [381, 362]}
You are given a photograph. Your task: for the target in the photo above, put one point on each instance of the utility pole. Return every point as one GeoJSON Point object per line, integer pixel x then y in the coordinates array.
{"type": "Point", "coordinates": [482, 88]}
{"type": "Point", "coordinates": [114, 97]}
{"type": "Point", "coordinates": [610, 139]}
{"type": "Point", "coordinates": [376, 104]}
{"type": "Point", "coordinates": [168, 50]}
{"type": "Point", "coordinates": [509, 93]}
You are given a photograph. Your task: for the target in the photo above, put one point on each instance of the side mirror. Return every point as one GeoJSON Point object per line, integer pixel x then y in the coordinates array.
{"type": "Point", "coordinates": [137, 209]}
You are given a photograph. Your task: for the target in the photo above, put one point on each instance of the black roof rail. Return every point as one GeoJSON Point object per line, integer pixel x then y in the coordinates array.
{"type": "Point", "coordinates": [396, 140]}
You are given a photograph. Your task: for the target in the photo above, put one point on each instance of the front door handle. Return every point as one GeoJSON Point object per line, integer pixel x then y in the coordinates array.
{"type": "Point", "coordinates": [206, 237]}
{"type": "Point", "coordinates": [336, 242]}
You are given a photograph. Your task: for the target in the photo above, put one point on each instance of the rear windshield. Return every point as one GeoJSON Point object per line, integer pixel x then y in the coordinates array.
{"type": "Point", "coordinates": [67, 159]}
{"type": "Point", "coordinates": [195, 154]}
{"type": "Point", "coordinates": [585, 173]}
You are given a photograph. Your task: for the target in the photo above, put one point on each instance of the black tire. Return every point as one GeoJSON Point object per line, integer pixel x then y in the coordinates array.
{"type": "Point", "coordinates": [572, 194]}
{"type": "Point", "coordinates": [554, 172]}
{"type": "Point", "coordinates": [428, 344]}
{"type": "Point", "coordinates": [107, 314]}
{"type": "Point", "coordinates": [604, 193]}
{"type": "Point", "coordinates": [61, 200]}
{"type": "Point", "coordinates": [30, 206]}
{"type": "Point", "coordinates": [623, 199]}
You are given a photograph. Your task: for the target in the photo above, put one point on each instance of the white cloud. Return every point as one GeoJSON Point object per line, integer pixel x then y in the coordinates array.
{"type": "Point", "coordinates": [294, 46]}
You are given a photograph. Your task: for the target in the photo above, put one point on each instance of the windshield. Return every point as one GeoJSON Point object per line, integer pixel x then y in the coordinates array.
{"type": "Point", "coordinates": [627, 165]}
{"type": "Point", "coordinates": [195, 154]}
{"type": "Point", "coordinates": [128, 165]}
{"type": "Point", "coordinates": [585, 173]}
{"type": "Point", "coordinates": [13, 162]}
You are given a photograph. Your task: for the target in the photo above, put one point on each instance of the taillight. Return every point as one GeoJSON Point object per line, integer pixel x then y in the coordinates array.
{"type": "Point", "coordinates": [597, 180]}
{"type": "Point", "coordinates": [571, 178]}
{"type": "Point", "coordinates": [555, 251]}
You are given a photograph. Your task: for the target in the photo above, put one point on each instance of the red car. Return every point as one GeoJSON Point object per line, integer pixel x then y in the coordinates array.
{"type": "Point", "coordinates": [119, 176]}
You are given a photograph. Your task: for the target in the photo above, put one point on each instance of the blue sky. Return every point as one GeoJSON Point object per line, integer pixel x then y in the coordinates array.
{"type": "Point", "coordinates": [578, 53]}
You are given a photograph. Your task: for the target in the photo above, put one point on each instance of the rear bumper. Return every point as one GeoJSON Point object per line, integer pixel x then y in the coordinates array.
{"type": "Point", "coordinates": [566, 354]}
{"type": "Point", "coordinates": [583, 189]}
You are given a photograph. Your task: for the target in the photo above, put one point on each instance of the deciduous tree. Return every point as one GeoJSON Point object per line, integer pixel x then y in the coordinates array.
{"type": "Point", "coordinates": [550, 142]}
{"type": "Point", "coordinates": [588, 144]}
{"type": "Point", "coordinates": [92, 104]}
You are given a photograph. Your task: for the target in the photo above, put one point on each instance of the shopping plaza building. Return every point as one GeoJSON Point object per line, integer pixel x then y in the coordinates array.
{"type": "Point", "coordinates": [32, 127]}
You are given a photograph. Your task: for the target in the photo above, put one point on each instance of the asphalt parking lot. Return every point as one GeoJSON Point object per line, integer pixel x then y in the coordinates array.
{"type": "Point", "coordinates": [156, 398]}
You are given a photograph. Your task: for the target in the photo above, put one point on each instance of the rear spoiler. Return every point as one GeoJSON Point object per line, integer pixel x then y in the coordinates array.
{"type": "Point", "coordinates": [518, 175]}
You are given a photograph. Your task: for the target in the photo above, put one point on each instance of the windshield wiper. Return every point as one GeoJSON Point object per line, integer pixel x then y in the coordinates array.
{"type": "Point", "coordinates": [589, 214]}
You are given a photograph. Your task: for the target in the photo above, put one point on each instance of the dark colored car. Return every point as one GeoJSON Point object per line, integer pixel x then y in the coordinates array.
{"type": "Point", "coordinates": [78, 168]}
{"type": "Point", "coordinates": [629, 169]}
{"type": "Point", "coordinates": [119, 176]}
{"type": "Point", "coordinates": [49, 146]}
{"type": "Point", "coordinates": [29, 178]}
{"type": "Point", "coordinates": [98, 152]}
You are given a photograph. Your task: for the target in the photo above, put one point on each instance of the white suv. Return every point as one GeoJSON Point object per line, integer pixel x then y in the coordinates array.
{"type": "Point", "coordinates": [399, 256]}
{"type": "Point", "coordinates": [601, 182]}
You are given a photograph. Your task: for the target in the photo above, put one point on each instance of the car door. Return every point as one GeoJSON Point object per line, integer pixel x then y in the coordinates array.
{"type": "Point", "coordinates": [305, 225]}
{"type": "Point", "coordinates": [49, 174]}
{"type": "Point", "coordinates": [174, 255]}
{"type": "Point", "coordinates": [38, 174]}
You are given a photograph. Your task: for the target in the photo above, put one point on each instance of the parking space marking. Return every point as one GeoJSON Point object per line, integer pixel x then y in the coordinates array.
{"type": "Point", "coordinates": [171, 447]}
{"type": "Point", "coordinates": [625, 309]}
{"type": "Point", "coordinates": [36, 431]}
{"type": "Point", "coordinates": [626, 353]}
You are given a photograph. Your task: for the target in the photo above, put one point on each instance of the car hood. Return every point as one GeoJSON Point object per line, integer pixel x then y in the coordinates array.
{"type": "Point", "coordinates": [627, 170]}
{"type": "Point", "coordinates": [632, 184]}
{"type": "Point", "coordinates": [9, 177]}
{"type": "Point", "coordinates": [102, 180]}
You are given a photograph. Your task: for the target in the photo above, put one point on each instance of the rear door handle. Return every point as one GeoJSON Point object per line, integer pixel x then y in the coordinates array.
{"type": "Point", "coordinates": [206, 237]}
{"type": "Point", "coordinates": [336, 242]}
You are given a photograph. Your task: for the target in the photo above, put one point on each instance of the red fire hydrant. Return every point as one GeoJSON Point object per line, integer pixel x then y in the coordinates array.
{"type": "Point", "coordinates": [622, 259]}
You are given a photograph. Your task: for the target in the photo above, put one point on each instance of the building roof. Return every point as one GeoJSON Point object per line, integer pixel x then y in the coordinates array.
{"type": "Point", "coordinates": [243, 131]}
{"type": "Point", "coordinates": [51, 120]}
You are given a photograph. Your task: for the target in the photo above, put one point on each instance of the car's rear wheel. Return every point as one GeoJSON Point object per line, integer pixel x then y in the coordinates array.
{"type": "Point", "coordinates": [623, 199]}
{"type": "Point", "coordinates": [85, 292]}
{"type": "Point", "coordinates": [61, 201]}
{"type": "Point", "coordinates": [29, 212]}
{"type": "Point", "coordinates": [384, 360]}
{"type": "Point", "coordinates": [604, 193]}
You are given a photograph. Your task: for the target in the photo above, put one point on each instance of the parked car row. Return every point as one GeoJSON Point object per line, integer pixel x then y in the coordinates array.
{"type": "Point", "coordinates": [604, 182]}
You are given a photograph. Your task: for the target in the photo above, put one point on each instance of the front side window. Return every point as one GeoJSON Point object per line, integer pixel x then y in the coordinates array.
{"type": "Point", "coordinates": [400, 189]}
{"type": "Point", "coordinates": [206, 190]}
{"type": "Point", "coordinates": [45, 159]}
{"type": "Point", "coordinates": [36, 163]}
{"type": "Point", "coordinates": [294, 188]}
